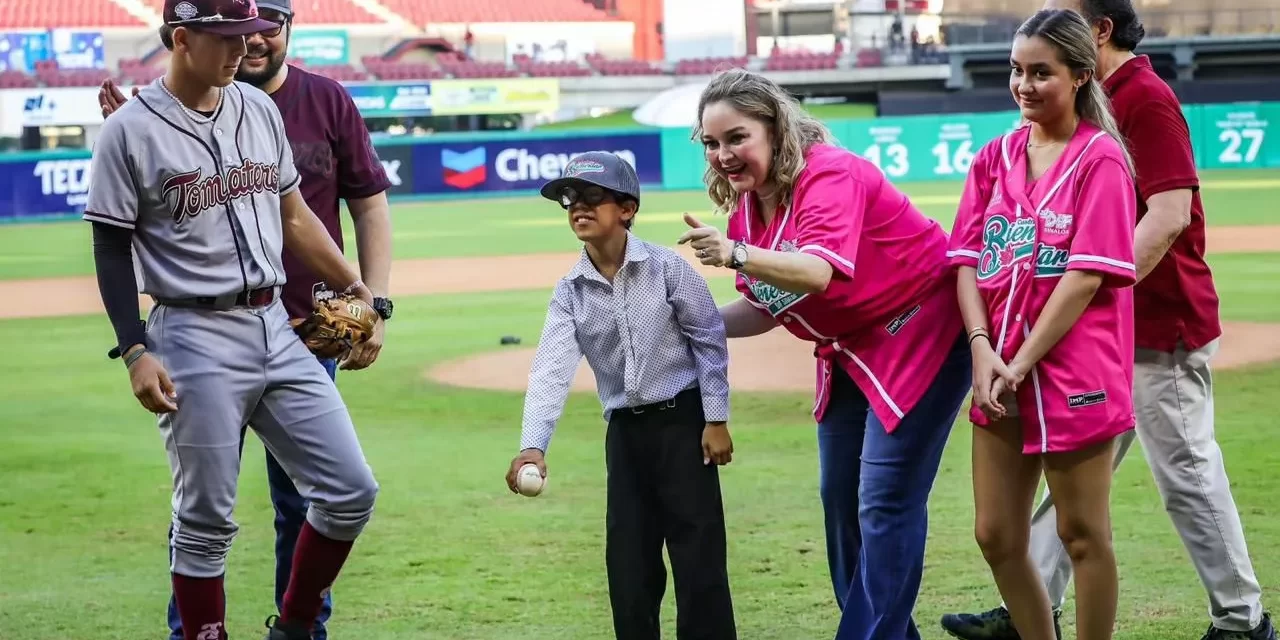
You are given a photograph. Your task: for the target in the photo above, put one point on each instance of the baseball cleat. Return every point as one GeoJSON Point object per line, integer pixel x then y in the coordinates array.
{"type": "Point", "coordinates": [277, 630]}
{"type": "Point", "coordinates": [1264, 631]}
{"type": "Point", "coordinates": [994, 624]}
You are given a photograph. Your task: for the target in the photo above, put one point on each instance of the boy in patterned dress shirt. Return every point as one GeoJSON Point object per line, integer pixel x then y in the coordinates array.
{"type": "Point", "coordinates": [649, 328]}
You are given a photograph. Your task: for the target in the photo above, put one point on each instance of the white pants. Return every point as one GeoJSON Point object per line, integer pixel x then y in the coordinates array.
{"type": "Point", "coordinates": [1173, 397]}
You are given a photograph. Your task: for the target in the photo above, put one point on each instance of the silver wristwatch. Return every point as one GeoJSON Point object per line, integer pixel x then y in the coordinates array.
{"type": "Point", "coordinates": [738, 258]}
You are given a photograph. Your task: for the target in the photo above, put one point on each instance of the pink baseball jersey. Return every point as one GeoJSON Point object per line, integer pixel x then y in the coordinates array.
{"type": "Point", "coordinates": [1022, 238]}
{"type": "Point", "coordinates": [889, 316]}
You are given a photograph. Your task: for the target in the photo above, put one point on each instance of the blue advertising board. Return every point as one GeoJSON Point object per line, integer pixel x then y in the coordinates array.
{"type": "Point", "coordinates": [524, 164]}
{"type": "Point", "coordinates": [21, 51]}
{"type": "Point", "coordinates": [44, 187]}
{"type": "Point", "coordinates": [74, 49]}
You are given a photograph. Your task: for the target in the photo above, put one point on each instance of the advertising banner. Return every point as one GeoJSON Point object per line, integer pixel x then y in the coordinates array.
{"type": "Point", "coordinates": [397, 161]}
{"type": "Point", "coordinates": [1239, 136]}
{"type": "Point", "coordinates": [319, 47]}
{"type": "Point", "coordinates": [908, 149]}
{"type": "Point", "coordinates": [505, 95]}
{"type": "Point", "coordinates": [43, 187]}
{"type": "Point", "coordinates": [77, 49]}
{"type": "Point", "coordinates": [48, 107]}
{"type": "Point", "coordinates": [392, 100]}
{"type": "Point", "coordinates": [925, 147]}
{"type": "Point", "coordinates": [519, 165]}
{"type": "Point", "coordinates": [21, 51]}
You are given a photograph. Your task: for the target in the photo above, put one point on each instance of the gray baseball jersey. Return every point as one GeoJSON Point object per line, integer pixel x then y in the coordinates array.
{"type": "Point", "coordinates": [201, 194]}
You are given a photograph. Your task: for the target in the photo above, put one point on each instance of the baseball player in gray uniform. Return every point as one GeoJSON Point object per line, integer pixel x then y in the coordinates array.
{"type": "Point", "coordinates": [196, 179]}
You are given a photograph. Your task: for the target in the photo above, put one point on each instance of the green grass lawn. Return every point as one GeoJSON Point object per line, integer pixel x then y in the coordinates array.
{"type": "Point", "coordinates": [503, 226]}
{"type": "Point", "coordinates": [451, 554]}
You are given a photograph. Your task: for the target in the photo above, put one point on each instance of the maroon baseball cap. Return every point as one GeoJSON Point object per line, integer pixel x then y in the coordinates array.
{"type": "Point", "coordinates": [223, 17]}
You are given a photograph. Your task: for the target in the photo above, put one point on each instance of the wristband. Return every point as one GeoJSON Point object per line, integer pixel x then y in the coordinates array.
{"type": "Point", "coordinates": [978, 335]}
{"type": "Point", "coordinates": [133, 357]}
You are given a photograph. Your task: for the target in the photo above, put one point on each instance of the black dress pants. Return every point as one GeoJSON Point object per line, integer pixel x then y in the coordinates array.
{"type": "Point", "coordinates": [660, 491]}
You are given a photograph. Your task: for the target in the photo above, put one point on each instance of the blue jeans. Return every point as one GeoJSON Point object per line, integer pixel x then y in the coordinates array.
{"type": "Point", "coordinates": [291, 512]}
{"type": "Point", "coordinates": [875, 491]}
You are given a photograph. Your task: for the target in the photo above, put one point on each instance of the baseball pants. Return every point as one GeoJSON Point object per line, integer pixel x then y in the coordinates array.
{"type": "Point", "coordinates": [659, 491]}
{"type": "Point", "coordinates": [875, 492]}
{"type": "Point", "coordinates": [291, 512]}
{"type": "Point", "coordinates": [1173, 397]}
{"type": "Point", "coordinates": [246, 366]}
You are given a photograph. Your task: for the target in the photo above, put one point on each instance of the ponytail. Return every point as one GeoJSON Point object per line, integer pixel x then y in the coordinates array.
{"type": "Point", "coordinates": [1093, 105]}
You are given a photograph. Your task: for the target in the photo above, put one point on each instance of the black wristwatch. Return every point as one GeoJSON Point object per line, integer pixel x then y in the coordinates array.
{"type": "Point", "coordinates": [383, 306]}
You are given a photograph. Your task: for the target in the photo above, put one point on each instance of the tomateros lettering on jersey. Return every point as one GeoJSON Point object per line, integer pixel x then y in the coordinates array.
{"type": "Point", "coordinates": [1005, 243]}
{"type": "Point", "coordinates": [196, 193]}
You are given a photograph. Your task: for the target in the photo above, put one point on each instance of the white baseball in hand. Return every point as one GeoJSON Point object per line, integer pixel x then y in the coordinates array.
{"type": "Point", "coordinates": [530, 481]}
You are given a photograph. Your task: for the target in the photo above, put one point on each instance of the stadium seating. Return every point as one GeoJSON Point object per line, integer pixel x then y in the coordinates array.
{"type": "Point", "coordinates": [48, 74]}
{"type": "Point", "coordinates": [705, 66]}
{"type": "Point", "coordinates": [16, 80]}
{"type": "Point", "coordinates": [314, 12]}
{"type": "Point", "coordinates": [477, 11]}
{"type": "Point", "coordinates": [538, 69]}
{"type": "Point", "coordinates": [339, 72]}
{"type": "Point", "coordinates": [623, 67]}
{"type": "Point", "coordinates": [39, 14]}
{"type": "Point", "coordinates": [802, 61]}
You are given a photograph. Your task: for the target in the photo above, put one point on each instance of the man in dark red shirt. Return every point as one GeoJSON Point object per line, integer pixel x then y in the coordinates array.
{"type": "Point", "coordinates": [1177, 331]}
{"type": "Point", "coordinates": [336, 160]}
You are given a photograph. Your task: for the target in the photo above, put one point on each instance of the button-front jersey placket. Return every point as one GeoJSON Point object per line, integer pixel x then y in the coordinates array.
{"type": "Point", "coordinates": [225, 144]}
{"type": "Point", "coordinates": [629, 371]}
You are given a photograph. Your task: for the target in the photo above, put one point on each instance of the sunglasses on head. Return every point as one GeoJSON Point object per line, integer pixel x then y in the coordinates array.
{"type": "Point", "coordinates": [591, 196]}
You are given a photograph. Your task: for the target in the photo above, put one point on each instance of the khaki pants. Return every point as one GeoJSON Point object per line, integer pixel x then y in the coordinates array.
{"type": "Point", "coordinates": [1173, 397]}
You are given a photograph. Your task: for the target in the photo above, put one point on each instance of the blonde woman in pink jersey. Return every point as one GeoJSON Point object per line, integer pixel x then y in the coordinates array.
{"type": "Point", "coordinates": [1043, 243]}
{"type": "Point", "coordinates": [826, 247]}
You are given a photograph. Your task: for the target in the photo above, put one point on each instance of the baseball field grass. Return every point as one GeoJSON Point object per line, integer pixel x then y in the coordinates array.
{"type": "Point", "coordinates": [450, 553]}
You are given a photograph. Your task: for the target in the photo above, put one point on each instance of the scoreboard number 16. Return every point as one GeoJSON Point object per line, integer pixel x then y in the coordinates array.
{"type": "Point", "coordinates": [950, 162]}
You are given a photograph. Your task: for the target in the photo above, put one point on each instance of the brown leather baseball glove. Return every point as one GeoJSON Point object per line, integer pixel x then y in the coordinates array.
{"type": "Point", "coordinates": [336, 325]}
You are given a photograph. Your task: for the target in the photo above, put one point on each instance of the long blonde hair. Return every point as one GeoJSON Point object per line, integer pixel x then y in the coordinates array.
{"type": "Point", "coordinates": [793, 130]}
{"type": "Point", "coordinates": [1072, 36]}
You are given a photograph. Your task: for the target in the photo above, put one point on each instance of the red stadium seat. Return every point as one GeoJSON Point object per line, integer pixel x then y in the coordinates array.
{"type": "Point", "coordinates": [475, 11]}
{"type": "Point", "coordinates": [312, 12]}
{"type": "Point", "coordinates": [28, 14]}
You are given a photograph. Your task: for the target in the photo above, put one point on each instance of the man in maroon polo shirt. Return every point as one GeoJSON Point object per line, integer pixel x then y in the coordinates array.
{"type": "Point", "coordinates": [1177, 331]}
{"type": "Point", "coordinates": [336, 160]}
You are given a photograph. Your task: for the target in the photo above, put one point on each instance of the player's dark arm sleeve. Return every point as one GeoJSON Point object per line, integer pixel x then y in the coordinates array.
{"type": "Point", "coordinates": [113, 259]}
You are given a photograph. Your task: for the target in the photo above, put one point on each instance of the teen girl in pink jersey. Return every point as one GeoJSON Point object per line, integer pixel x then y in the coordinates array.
{"type": "Point", "coordinates": [825, 247]}
{"type": "Point", "coordinates": [1043, 241]}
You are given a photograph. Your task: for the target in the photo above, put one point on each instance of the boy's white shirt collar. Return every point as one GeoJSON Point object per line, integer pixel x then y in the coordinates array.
{"type": "Point", "coordinates": [636, 251]}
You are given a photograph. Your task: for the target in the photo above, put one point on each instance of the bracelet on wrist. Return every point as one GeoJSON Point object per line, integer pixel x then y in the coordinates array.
{"type": "Point", "coordinates": [978, 335]}
{"type": "Point", "coordinates": [133, 357]}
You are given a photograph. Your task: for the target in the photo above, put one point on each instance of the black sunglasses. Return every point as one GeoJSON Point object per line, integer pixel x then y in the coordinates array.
{"type": "Point", "coordinates": [591, 196]}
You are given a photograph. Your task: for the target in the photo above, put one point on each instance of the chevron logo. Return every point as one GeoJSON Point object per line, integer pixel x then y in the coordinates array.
{"type": "Point", "coordinates": [463, 170]}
